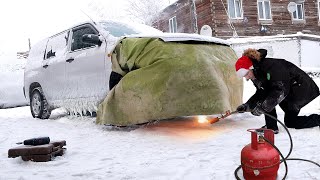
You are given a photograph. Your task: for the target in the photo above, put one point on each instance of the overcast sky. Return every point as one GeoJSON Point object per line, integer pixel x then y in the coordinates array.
{"type": "Point", "coordinates": [37, 19]}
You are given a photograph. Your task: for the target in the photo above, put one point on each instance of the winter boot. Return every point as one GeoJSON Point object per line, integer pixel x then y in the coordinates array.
{"type": "Point", "coordinates": [275, 131]}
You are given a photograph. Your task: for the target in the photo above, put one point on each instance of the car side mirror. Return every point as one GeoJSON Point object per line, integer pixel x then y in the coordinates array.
{"type": "Point", "coordinates": [91, 39]}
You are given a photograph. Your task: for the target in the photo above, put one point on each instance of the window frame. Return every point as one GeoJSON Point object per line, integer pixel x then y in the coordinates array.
{"type": "Point", "coordinates": [264, 9]}
{"type": "Point", "coordinates": [173, 25]}
{"type": "Point", "coordinates": [318, 2]}
{"type": "Point", "coordinates": [296, 12]}
{"type": "Point", "coordinates": [235, 10]}
{"type": "Point", "coordinates": [81, 27]}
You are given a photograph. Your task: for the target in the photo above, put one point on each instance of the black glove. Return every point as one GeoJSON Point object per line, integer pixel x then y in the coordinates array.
{"type": "Point", "coordinates": [257, 111]}
{"type": "Point", "coordinates": [243, 108]}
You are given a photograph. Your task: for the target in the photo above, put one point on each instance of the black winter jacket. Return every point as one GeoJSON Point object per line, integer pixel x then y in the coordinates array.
{"type": "Point", "coordinates": [278, 80]}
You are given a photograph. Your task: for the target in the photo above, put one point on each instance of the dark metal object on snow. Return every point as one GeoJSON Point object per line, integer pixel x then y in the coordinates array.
{"type": "Point", "coordinates": [39, 153]}
{"type": "Point", "coordinates": [36, 141]}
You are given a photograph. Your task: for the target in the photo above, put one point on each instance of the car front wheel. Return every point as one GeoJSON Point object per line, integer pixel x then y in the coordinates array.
{"type": "Point", "coordinates": [38, 104]}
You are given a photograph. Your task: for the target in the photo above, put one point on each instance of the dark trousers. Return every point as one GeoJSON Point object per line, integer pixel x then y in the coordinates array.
{"type": "Point", "coordinates": [291, 118]}
{"type": "Point", "coordinates": [114, 79]}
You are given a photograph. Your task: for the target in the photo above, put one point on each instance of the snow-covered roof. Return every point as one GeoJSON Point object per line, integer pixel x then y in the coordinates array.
{"type": "Point", "coordinates": [272, 38]}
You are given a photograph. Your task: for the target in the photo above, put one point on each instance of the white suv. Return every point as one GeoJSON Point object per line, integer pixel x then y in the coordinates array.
{"type": "Point", "coordinates": [71, 69]}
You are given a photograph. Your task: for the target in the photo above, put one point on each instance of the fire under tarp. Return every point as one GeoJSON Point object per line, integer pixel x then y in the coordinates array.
{"type": "Point", "coordinates": [163, 80]}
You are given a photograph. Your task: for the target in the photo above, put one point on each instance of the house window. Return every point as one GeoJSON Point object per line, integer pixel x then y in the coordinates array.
{"type": "Point", "coordinates": [319, 9]}
{"type": "Point", "coordinates": [173, 24]}
{"type": "Point", "coordinates": [298, 14]}
{"type": "Point", "coordinates": [235, 9]}
{"type": "Point", "coordinates": [264, 9]}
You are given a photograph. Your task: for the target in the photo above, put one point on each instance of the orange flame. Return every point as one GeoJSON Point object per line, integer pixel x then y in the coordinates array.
{"type": "Point", "coordinates": [202, 119]}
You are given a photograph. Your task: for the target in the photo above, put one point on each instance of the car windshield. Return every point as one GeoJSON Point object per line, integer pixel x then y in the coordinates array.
{"type": "Point", "coordinates": [118, 29]}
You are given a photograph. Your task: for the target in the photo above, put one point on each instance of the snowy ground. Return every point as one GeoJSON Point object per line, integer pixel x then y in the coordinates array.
{"type": "Point", "coordinates": [179, 150]}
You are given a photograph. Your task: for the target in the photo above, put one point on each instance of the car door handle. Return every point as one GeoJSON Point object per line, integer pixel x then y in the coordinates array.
{"type": "Point", "coordinates": [70, 60]}
{"type": "Point", "coordinates": [45, 66]}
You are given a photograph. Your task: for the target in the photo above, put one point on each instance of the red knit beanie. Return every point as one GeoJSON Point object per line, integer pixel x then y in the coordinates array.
{"type": "Point", "coordinates": [243, 65]}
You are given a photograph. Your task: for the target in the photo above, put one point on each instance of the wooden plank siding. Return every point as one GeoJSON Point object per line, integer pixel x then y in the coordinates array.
{"type": "Point", "coordinates": [213, 13]}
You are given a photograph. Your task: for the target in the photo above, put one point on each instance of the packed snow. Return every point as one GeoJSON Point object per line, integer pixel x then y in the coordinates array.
{"type": "Point", "coordinates": [177, 149]}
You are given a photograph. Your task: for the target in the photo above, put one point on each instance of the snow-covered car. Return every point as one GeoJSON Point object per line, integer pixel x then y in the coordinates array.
{"type": "Point", "coordinates": [73, 66]}
{"type": "Point", "coordinates": [72, 69]}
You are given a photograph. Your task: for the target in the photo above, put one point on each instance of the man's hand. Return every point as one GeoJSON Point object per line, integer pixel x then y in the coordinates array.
{"type": "Point", "coordinates": [243, 108]}
{"type": "Point", "coordinates": [257, 111]}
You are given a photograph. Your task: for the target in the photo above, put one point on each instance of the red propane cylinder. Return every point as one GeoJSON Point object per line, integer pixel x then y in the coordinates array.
{"type": "Point", "coordinates": [259, 160]}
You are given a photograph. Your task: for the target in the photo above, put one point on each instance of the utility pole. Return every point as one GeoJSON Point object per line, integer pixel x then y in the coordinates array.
{"type": "Point", "coordinates": [29, 43]}
{"type": "Point", "coordinates": [194, 20]}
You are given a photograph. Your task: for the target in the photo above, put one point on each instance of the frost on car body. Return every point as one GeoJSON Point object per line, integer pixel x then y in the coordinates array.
{"type": "Point", "coordinates": [72, 73]}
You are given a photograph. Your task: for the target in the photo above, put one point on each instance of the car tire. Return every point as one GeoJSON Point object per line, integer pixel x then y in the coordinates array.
{"type": "Point", "coordinates": [38, 104]}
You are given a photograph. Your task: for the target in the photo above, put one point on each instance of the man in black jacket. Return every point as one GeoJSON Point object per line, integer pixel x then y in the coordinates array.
{"type": "Point", "coordinates": [278, 82]}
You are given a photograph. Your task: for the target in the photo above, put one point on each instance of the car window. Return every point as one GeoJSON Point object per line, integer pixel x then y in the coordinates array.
{"type": "Point", "coordinates": [117, 29]}
{"type": "Point", "coordinates": [77, 34]}
{"type": "Point", "coordinates": [57, 45]}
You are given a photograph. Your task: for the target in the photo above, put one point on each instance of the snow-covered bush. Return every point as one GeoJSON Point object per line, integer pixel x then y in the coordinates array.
{"type": "Point", "coordinates": [11, 78]}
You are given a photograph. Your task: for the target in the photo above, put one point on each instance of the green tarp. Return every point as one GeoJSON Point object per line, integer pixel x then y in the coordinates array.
{"type": "Point", "coordinates": [169, 79]}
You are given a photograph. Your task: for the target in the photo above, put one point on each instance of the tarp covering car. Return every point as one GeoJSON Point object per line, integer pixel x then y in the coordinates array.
{"type": "Point", "coordinates": [168, 79]}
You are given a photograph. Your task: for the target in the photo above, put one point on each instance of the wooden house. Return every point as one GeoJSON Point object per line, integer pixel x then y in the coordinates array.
{"type": "Point", "coordinates": [227, 18]}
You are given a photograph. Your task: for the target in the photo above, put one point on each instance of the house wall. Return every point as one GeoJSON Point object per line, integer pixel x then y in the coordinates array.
{"type": "Point", "coordinates": [310, 54]}
{"type": "Point", "coordinates": [213, 13]}
{"type": "Point", "coordinates": [180, 9]}
{"type": "Point", "coordinates": [205, 14]}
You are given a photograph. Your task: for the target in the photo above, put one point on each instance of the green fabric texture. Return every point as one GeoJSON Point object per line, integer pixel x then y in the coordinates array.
{"type": "Point", "coordinates": [170, 79]}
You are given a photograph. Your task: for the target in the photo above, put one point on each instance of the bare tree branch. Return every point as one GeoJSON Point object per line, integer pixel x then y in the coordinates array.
{"type": "Point", "coordinates": [146, 11]}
